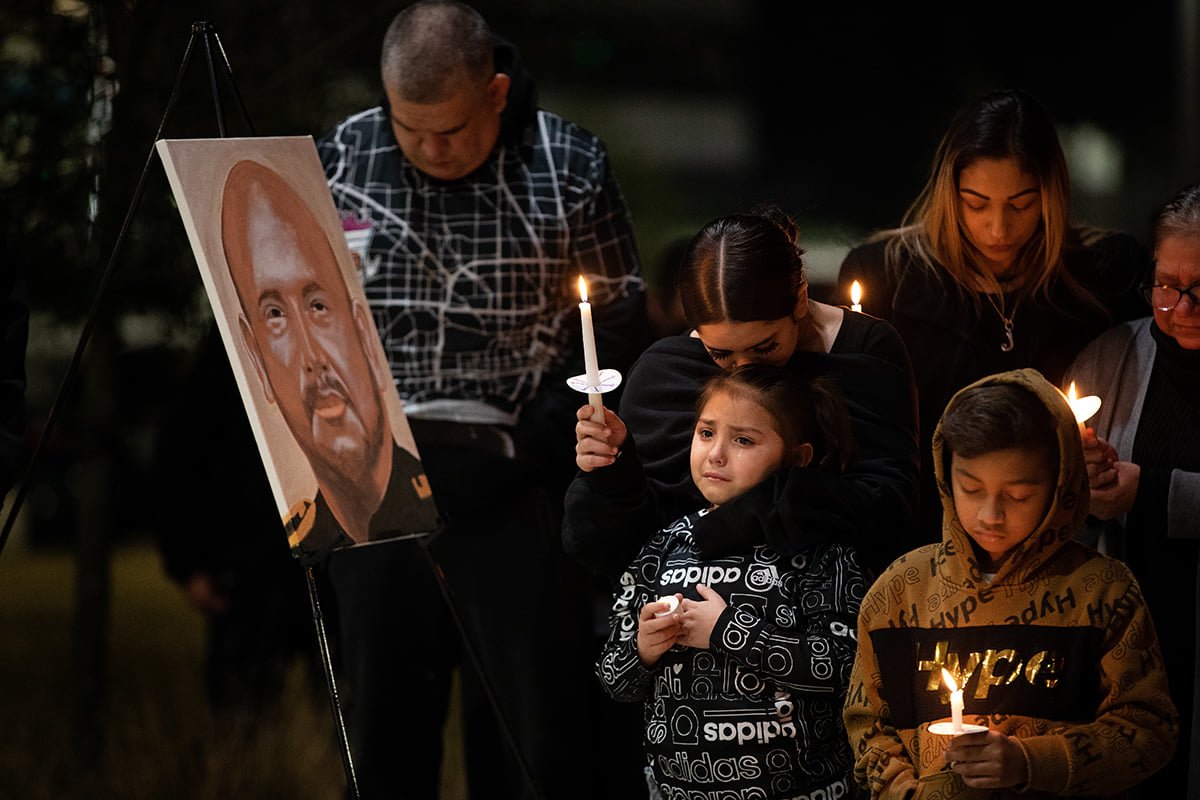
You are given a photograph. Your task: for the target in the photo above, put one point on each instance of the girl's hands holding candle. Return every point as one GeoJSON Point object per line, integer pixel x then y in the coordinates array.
{"type": "Point", "coordinates": [656, 635]}
{"type": "Point", "coordinates": [597, 444]}
{"type": "Point", "coordinates": [988, 760]}
{"type": "Point", "coordinates": [700, 617]}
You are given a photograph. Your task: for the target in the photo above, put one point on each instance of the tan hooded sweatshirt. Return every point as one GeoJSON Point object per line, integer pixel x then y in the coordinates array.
{"type": "Point", "coordinates": [1058, 650]}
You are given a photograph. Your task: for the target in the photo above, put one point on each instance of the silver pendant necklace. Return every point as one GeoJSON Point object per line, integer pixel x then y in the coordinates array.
{"type": "Point", "coordinates": [1007, 319]}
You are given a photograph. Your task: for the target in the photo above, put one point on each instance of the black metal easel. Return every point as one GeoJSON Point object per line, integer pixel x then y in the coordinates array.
{"type": "Point", "coordinates": [206, 34]}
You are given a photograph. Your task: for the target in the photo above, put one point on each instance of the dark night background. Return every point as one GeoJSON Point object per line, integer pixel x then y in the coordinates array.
{"type": "Point", "coordinates": [832, 110]}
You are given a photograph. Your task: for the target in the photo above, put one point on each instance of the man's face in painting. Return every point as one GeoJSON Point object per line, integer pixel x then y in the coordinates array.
{"type": "Point", "coordinates": [309, 340]}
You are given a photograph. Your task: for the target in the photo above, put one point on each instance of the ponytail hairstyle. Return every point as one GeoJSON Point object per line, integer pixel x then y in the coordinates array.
{"type": "Point", "coordinates": [1000, 125]}
{"type": "Point", "coordinates": [742, 268]}
{"type": "Point", "coordinates": [804, 410]}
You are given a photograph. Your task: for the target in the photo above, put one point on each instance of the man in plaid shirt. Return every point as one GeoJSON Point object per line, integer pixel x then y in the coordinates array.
{"type": "Point", "coordinates": [480, 211]}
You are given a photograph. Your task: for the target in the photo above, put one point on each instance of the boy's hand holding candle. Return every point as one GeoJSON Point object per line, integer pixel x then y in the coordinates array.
{"type": "Point", "coordinates": [988, 760]}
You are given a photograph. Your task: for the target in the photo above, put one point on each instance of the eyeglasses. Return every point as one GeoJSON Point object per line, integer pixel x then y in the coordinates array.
{"type": "Point", "coordinates": [1165, 298]}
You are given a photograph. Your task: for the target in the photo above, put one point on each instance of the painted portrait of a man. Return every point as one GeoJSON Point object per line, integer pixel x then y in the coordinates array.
{"type": "Point", "coordinates": [305, 346]}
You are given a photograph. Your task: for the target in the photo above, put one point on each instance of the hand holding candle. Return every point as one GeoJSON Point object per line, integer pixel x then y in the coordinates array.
{"type": "Point", "coordinates": [856, 297]}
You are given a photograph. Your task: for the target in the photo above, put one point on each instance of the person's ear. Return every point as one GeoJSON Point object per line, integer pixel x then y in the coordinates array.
{"type": "Point", "coordinates": [368, 340]}
{"type": "Point", "coordinates": [801, 309]}
{"type": "Point", "coordinates": [497, 92]}
{"type": "Point", "coordinates": [802, 455]}
{"type": "Point", "coordinates": [256, 357]}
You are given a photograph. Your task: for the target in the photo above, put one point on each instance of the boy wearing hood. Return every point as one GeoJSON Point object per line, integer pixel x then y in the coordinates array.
{"type": "Point", "coordinates": [1050, 641]}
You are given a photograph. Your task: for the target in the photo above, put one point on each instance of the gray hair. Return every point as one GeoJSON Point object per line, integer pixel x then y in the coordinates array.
{"type": "Point", "coordinates": [431, 46]}
{"type": "Point", "coordinates": [1180, 216]}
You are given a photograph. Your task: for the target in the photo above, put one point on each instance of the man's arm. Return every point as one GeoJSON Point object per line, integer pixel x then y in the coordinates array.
{"type": "Point", "coordinates": [604, 248]}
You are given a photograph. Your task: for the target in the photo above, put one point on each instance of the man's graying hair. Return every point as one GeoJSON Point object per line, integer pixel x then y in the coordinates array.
{"type": "Point", "coordinates": [431, 46]}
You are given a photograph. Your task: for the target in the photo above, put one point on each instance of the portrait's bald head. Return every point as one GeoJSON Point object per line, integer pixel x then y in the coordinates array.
{"type": "Point", "coordinates": [311, 342]}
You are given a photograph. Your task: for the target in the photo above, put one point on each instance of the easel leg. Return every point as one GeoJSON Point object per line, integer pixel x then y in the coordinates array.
{"type": "Point", "coordinates": [331, 683]}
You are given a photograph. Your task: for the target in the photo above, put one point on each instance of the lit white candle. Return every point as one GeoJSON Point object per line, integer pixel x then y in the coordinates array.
{"type": "Point", "coordinates": [856, 297]}
{"type": "Point", "coordinates": [956, 701]}
{"type": "Point", "coordinates": [590, 366]}
{"type": "Point", "coordinates": [1084, 408]}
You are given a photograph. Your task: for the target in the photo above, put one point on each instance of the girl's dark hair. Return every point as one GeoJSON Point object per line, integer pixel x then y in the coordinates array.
{"type": "Point", "coordinates": [804, 409]}
{"type": "Point", "coordinates": [742, 268]}
{"type": "Point", "coordinates": [1180, 216]}
{"type": "Point", "coordinates": [999, 416]}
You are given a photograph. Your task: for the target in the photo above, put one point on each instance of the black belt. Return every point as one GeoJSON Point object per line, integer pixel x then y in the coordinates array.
{"type": "Point", "coordinates": [468, 435]}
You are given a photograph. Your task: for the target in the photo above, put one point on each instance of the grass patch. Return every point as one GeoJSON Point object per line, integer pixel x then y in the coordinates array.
{"type": "Point", "coordinates": [159, 738]}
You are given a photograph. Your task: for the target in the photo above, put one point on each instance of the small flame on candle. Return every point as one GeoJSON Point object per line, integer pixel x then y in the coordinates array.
{"type": "Point", "coordinates": [949, 679]}
{"type": "Point", "coordinates": [1084, 408]}
{"type": "Point", "coordinates": [855, 293]}
{"type": "Point", "coordinates": [582, 290]}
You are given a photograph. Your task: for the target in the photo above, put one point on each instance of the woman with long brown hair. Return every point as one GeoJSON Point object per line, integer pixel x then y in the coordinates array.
{"type": "Point", "coordinates": [986, 272]}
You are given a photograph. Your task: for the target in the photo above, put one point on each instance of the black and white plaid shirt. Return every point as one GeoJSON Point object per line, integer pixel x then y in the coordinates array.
{"type": "Point", "coordinates": [473, 282]}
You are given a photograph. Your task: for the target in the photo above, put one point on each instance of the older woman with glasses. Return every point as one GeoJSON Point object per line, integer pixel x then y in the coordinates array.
{"type": "Point", "coordinates": [1144, 459]}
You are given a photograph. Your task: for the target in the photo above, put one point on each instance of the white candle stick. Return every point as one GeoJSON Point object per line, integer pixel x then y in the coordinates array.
{"type": "Point", "coordinates": [956, 701]}
{"type": "Point", "coordinates": [856, 297]}
{"type": "Point", "coordinates": [590, 366]}
{"type": "Point", "coordinates": [1084, 408]}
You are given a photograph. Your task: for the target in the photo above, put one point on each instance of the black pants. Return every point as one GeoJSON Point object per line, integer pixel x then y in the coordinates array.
{"type": "Point", "coordinates": [525, 608]}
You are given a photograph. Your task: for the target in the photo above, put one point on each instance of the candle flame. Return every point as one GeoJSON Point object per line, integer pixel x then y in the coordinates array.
{"type": "Point", "coordinates": [1084, 408]}
{"type": "Point", "coordinates": [855, 293]}
{"type": "Point", "coordinates": [582, 290]}
{"type": "Point", "coordinates": [949, 679]}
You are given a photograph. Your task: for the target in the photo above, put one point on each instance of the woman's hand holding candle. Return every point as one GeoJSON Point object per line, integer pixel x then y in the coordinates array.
{"type": "Point", "coordinates": [1118, 495]}
{"type": "Point", "coordinates": [597, 444]}
{"type": "Point", "coordinates": [1100, 458]}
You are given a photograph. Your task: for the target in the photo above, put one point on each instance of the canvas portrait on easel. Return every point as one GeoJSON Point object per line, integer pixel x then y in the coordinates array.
{"type": "Point", "coordinates": [305, 351]}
